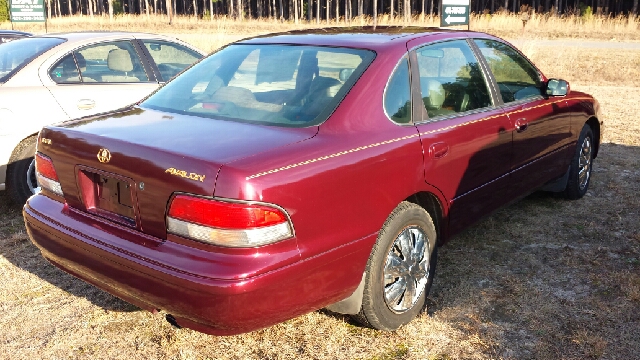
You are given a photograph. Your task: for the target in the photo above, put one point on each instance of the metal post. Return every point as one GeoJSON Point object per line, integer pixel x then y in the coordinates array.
{"type": "Point", "coordinates": [10, 17]}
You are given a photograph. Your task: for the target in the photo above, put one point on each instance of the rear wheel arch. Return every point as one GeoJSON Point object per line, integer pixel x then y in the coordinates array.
{"type": "Point", "coordinates": [433, 206]}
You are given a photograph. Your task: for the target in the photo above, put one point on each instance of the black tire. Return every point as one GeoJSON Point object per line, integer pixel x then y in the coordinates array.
{"type": "Point", "coordinates": [21, 160]}
{"type": "Point", "coordinates": [582, 160]}
{"type": "Point", "coordinates": [376, 310]}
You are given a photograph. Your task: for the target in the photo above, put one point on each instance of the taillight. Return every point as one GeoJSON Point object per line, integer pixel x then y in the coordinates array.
{"type": "Point", "coordinates": [46, 174]}
{"type": "Point", "coordinates": [225, 223]}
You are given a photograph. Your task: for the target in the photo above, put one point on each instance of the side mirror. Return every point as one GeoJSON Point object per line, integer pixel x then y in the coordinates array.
{"type": "Point", "coordinates": [557, 87]}
{"type": "Point", "coordinates": [345, 74]}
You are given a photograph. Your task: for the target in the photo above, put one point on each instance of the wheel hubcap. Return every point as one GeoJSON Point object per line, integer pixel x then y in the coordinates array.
{"type": "Point", "coordinates": [32, 180]}
{"type": "Point", "coordinates": [406, 270]}
{"type": "Point", "coordinates": [584, 163]}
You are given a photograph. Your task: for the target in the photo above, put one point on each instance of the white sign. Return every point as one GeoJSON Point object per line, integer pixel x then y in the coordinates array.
{"type": "Point", "coordinates": [456, 2]}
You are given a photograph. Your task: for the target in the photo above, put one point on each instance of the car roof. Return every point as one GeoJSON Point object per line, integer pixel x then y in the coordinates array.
{"type": "Point", "coordinates": [85, 35]}
{"type": "Point", "coordinates": [357, 37]}
{"type": "Point", "coordinates": [14, 32]}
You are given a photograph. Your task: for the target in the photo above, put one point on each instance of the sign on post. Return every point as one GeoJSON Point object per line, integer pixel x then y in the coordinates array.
{"type": "Point", "coordinates": [27, 11]}
{"type": "Point", "coordinates": [454, 12]}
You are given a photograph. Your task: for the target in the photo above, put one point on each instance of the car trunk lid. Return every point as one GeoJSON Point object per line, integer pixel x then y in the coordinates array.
{"type": "Point", "coordinates": [125, 166]}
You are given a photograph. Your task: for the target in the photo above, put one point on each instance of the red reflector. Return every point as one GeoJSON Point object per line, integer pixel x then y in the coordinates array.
{"type": "Point", "coordinates": [225, 215]}
{"type": "Point", "coordinates": [44, 167]}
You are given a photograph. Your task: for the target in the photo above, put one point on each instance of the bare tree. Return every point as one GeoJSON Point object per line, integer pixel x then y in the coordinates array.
{"type": "Point", "coordinates": [317, 11]}
{"type": "Point", "coordinates": [375, 13]}
{"type": "Point", "coordinates": [634, 10]}
{"type": "Point", "coordinates": [295, 11]}
{"type": "Point", "coordinates": [391, 1]}
{"type": "Point", "coordinates": [406, 13]}
{"type": "Point", "coordinates": [169, 10]}
{"type": "Point", "coordinates": [328, 2]}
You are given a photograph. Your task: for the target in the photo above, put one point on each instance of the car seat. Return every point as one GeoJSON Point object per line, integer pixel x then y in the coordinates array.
{"type": "Point", "coordinates": [120, 64]}
{"type": "Point", "coordinates": [433, 96]}
{"type": "Point", "coordinates": [321, 90]}
{"type": "Point", "coordinates": [82, 65]}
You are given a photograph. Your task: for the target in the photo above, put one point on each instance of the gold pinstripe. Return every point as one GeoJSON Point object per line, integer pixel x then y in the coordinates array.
{"type": "Point", "coordinates": [334, 155]}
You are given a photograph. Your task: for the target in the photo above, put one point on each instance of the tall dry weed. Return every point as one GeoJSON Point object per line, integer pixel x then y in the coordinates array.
{"type": "Point", "coordinates": [501, 24]}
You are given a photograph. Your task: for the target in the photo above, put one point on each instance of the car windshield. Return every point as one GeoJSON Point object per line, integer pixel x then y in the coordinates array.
{"type": "Point", "coordinates": [282, 85]}
{"type": "Point", "coordinates": [16, 54]}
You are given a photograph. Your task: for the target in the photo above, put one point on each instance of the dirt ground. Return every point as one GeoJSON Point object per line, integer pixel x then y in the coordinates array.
{"type": "Point", "coordinates": [545, 278]}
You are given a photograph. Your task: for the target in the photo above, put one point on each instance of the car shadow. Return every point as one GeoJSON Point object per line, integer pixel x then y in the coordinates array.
{"type": "Point", "coordinates": [16, 247]}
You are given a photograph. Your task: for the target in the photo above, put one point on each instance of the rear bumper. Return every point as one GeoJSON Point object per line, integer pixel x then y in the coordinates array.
{"type": "Point", "coordinates": [204, 290]}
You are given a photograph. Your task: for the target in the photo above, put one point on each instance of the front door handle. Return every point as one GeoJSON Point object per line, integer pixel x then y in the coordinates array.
{"type": "Point", "coordinates": [86, 104]}
{"type": "Point", "coordinates": [521, 124]}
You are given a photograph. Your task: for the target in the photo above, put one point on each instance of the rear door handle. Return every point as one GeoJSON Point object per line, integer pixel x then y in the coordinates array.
{"type": "Point", "coordinates": [521, 124]}
{"type": "Point", "coordinates": [438, 150]}
{"type": "Point", "coordinates": [86, 104]}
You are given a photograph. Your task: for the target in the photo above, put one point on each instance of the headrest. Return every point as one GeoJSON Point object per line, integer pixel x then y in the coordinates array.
{"type": "Point", "coordinates": [119, 60]}
{"type": "Point", "coordinates": [432, 94]}
{"type": "Point", "coordinates": [236, 95]}
{"type": "Point", "coordinates": [321, 83]}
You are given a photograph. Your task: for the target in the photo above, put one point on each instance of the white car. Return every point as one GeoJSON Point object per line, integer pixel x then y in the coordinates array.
{"type": "Point", "coordinates": [57, 77]}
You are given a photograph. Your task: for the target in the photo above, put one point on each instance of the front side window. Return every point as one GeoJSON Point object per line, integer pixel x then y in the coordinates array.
{"type": "Point", "coordinates": [282, 85]}
{"type": "Point", "coordinates": [170, 58]}
{"type": "Point", "coordinates": [517, 79]}
{"type": "Point", "coordinates": [16, 54]}
{"type": "Point", "coordinates": [397, 96]}
{"type": "Point", "coordinates": [451, 80]}
{"type": "Point", "coordinates": [110, 62]}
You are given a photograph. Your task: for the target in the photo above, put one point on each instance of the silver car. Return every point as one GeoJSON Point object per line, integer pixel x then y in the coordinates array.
{"type": "Point", "coordinates": [56, 77]}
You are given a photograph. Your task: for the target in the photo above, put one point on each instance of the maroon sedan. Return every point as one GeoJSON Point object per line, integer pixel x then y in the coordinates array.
{"type": "Point", "coordinates": [296, 171]}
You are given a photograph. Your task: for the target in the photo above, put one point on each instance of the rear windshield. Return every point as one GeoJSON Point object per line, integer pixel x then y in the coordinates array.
{"type": "Point", "coordinates": [283, 85]}
{"type": "Point", "coordinates": [16, 54]}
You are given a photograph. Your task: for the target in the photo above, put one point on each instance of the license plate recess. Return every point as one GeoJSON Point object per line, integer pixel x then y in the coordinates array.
{"type": "Point", "coordinates": [108, 195]}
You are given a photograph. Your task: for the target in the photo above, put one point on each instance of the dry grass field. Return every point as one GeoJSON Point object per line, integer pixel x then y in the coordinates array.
{"type": "Point", "coordinates": [504, 25]}
{"type": "Point", "coordinates": [544, 278]}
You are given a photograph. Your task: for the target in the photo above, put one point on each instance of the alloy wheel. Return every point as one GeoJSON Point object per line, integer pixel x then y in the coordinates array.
{"type": "Point", "coordinates": [406, 270]}
{"type": "Point", "coordinates": [584, 163]}
{"type": "Point", "coordinates": [32, 180]}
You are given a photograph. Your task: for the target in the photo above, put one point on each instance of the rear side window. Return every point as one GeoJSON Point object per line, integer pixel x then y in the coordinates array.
{"type": "Point", "coordinates": [281, 85]}
{"type": "Point", "coordinates": [170, 58]}
{"type": "Point", "coordinates": [65, 71]}
{"type": "Point", "coordinates": [397, 96]}
{"type": "Point", "coordinates": [16, 54]}
{"type": "Point", "coordinates": [451, 80]}
{"type": "Point", "coordinates": [517, 79]}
